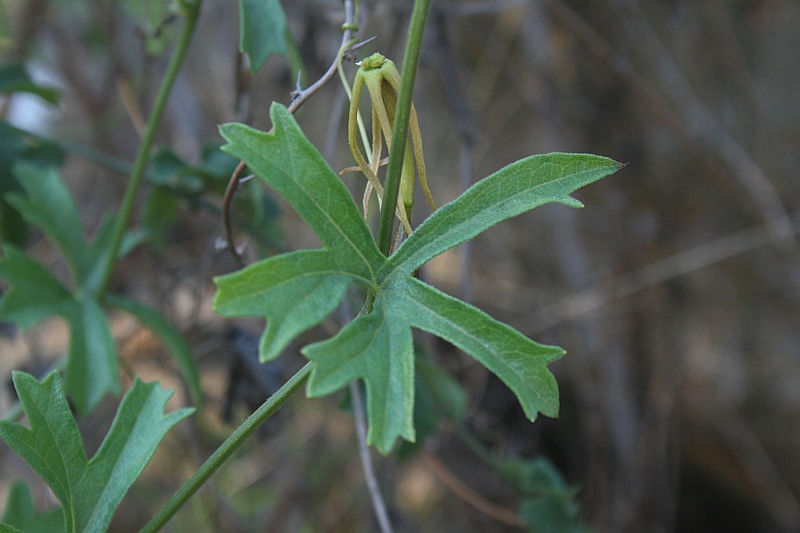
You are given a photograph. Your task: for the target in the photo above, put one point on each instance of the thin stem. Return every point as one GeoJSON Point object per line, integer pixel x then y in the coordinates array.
{"type": "Point", "coordinates": [366, 460]}
{"type": "Point", "coordinates": [446, 476]}
{"type": "Point", "coordinates": [359, 415]}
{"type": "Point", "coordinates": [227, 448]}
{"type": "Point", "coordinates": [400, 130]}
{"type": "Point", "coordinates": [191, 11]}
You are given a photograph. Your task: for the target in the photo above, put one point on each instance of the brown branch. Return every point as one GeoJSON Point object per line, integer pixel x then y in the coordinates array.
{"type": "Point", "coordinates": [501, 514]}
{"type": "Point", "coordinates": [131, 107]}
{"type": "Point", "coordinates": [227, 200]}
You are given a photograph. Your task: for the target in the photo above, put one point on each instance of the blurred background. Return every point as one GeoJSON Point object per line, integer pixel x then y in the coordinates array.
{"type": "Point", "coordinates": [675, 291]}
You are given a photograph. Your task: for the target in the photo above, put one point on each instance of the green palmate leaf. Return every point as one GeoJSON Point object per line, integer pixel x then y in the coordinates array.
{"type": "Point", "coordinates": [89, 490]}
{"type": "Point", "coordinates": [170, 336]}
{"type": "Point", "coordinates": [298, 290]}
{"type": "Point", "coordinates": [262, 30]}
{"type": "Point", "coordinates": [296, 170]}
{"type": "Point", "coordinates": [21, 515]}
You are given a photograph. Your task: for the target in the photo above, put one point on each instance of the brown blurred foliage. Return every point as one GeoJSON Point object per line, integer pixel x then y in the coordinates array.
{"type": "Point", "coordinates": [675, 291]}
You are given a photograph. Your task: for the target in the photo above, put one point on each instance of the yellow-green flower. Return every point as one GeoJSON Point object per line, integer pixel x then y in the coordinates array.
{"type": "Point", "coordinates": [382, 80]}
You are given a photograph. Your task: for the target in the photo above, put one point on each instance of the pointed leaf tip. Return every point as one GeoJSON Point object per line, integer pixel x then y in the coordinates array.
{"type": "Point", "coordinates": [89, 490]}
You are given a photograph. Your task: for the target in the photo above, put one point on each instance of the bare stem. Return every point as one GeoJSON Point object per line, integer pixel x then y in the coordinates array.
{"type": "Point", "coordinates": [236, 439]}
{"type": "Point", "coordinates": [400, 129]}
{"type": "Point", "coordinates": [191, 11]}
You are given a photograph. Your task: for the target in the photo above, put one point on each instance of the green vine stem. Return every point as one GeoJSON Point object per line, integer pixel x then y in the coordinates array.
{"type": "Point", "coordinates": [400, 130]}
{"type": "Point", "coordinates": [191, 12]}
{"type": "Point", "coordinates": [236, 439]}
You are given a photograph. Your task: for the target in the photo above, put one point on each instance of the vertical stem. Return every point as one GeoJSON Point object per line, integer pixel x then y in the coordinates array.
{"type": "Point", "coordinates": [191, 12]}
{"type": "Point", "coordinates": [222, 453]}
{"type": "Point", "coordinates": [400, 130]}
{"type": "Point", "coordinates": [381, 514]}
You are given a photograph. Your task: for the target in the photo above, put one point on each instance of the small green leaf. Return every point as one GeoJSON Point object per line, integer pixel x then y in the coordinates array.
{"type": "Point", "coordinates": [164, 165]}
{"type": "Point", "coordinates": [48, 204]}
{"type": "Point", "coordinates": [21, 515]}
{"type": "Point", "coordinates": [89, 490]}
{"type": "Point", "coordinates": [14, 78]}
{"type": "Point", "coordinates": [170, 336]}
{"type": "Point", "coordinates": [17, 147]}
{"type": "Point", "coordinates": [262, 26]}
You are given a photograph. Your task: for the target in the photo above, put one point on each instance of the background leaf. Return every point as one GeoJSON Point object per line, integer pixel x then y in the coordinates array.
{"type": "Point", "coordinates": [17, 147]}
{"type": "Point", "coordinates": [14, 77]}
{"type": "Point", "coordinates": [89, 491]}
{"type": "Point", "coordinates": [34, 293]}
{"type": "Point", "coordinates": [91, 370]}
{"type": "Point", "coordinates": [47, 203]}
{"type": "Point", "coordinates": [20, 513]}
{"type": "Point", "coordinates": [262, 27]}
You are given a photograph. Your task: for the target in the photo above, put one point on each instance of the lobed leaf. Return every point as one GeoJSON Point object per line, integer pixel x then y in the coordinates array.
{"type": "Point", "coordinates": [378, 348]}
{"type": "Point", "coordinates": [291, 165]}
{"type": "Point", "coordinates": [293, 291]}
{"type": "Point", "coordinates": [518, 361]}
{"type": "Point", "coordinates": [89, 490]}
{"type": "Point", "coordinates": [515, 189]}
{"type": "Point", "coordinates": [20, 514]}
{"type": "Point", "coordinates": [262, 28]}
{"type": "Point", "coordinates": [296, 291]}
